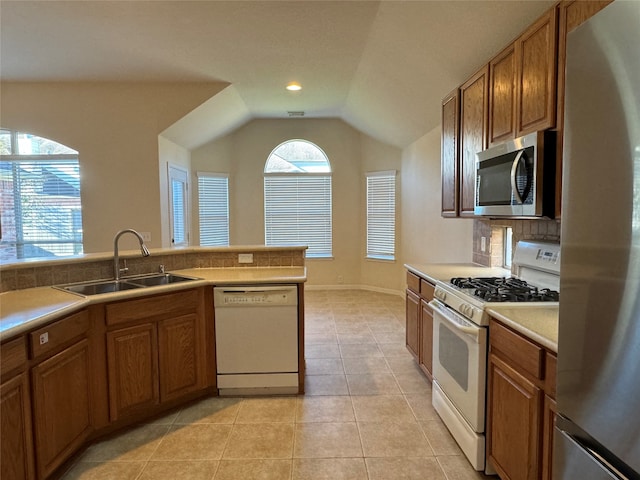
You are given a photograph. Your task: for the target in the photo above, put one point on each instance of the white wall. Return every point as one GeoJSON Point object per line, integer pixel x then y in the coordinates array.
{"type": "Point", "coordinates": [243, 155]}
{"type": "Point", "coordinates": [426, 237]}
{"type": "Point", "coordinates": [115, 128]}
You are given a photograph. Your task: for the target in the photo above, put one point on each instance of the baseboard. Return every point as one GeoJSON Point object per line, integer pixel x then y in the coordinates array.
{"type": "Point", "coordinates": [354, 287]}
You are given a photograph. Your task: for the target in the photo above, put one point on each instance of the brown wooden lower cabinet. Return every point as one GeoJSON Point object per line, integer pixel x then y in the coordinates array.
{"type": "Point", "coordinates": [515, 405]}
{"type": "Point", "coordinates": [520, 405]}
{"type": "Point", "coordinates": [16, 443]}
{"type": "Point", "coordinates": [549, 421]}
{"type": "Point", "coordinates": [413, 323]}
{"type": "Point", "coordinates": [61, 406]}
{"type": "Point", "coordinates": [181, 356]}
{"type": "Point", "coordinates": [132, 358]}
{"type": "Point", "coordinates": [419, 321]}
{"type": "Point", "coordinates": [426, 338]}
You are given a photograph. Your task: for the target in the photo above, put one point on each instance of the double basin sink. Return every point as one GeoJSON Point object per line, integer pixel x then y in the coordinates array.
{"type": "Point", "coordinates": [129, 283]}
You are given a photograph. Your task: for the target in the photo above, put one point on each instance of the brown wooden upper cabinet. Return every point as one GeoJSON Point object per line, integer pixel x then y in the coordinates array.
{"type": "Point", "coordinates": [450, 154]}
{"type": "Point", "coordinates": [474, 102]}
{"type": "Point", "coordinates": [502, 96]}
{"type": "Point", "coordinates": [536, 64]}
{"type": "Point", "coordinates": [522, 79]}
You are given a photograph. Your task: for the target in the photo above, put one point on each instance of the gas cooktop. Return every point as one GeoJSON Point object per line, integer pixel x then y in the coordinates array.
{"type": "Point", "coordinates": [504, 289]}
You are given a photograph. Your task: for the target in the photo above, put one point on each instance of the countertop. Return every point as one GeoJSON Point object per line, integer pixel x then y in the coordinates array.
{"type": "Point", "coordinates": [446, 271]}
{"type": "Point", "coordinates": [23, 310]}
{"type": "Point", "coordinates": [537, 322]}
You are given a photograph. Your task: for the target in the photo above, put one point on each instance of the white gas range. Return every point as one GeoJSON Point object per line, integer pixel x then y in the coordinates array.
{"type": "Point", "coordinates": [460, 337]}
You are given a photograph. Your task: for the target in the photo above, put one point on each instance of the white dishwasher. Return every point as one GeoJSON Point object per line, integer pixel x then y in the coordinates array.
{"type": "Point", "coordinates": [256, 330]}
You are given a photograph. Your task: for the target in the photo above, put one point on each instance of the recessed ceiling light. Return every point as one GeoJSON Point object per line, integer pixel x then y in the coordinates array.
{"type": "Point", "coordinates": [294, 87]}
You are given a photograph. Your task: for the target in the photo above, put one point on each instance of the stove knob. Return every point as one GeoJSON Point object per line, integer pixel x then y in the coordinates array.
{"type": "Point", "coordinates": [440, 294]}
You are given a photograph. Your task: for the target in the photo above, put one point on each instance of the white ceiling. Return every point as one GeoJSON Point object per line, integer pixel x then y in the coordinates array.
{"type": "Point", "coordinates": [382, 66]}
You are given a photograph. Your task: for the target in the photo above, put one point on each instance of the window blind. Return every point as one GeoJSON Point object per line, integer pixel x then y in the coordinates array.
{"type": "Point", "coordinates": [298, 212]}
{"type": "Point", "coordinates": [213, 201]}
{"type": "Point", "coordinates": [381, 215]}
{"type": "Point", "coordinates": [41, 207]}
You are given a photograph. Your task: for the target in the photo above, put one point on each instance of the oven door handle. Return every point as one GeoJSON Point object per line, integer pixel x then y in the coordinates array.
{"type": "Point", "coordinates": [449, 316]}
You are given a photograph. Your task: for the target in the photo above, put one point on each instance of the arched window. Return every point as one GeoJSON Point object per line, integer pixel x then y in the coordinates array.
{"type": "Point", "coordinates": [297, 198]}
{"type": "Point", "coordinates": [41, 213]}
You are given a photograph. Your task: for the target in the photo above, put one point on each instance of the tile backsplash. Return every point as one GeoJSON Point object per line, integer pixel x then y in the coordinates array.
{"type": "Point", "coordinates": [491, 229]}
{"type": "Point", "coordinates": [63, 271]}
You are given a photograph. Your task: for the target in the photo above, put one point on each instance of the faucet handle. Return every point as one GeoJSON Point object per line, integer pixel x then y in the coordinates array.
{"type": "Point", "coordinates": [161, 268]}
{"type": "Point", "coordinates": [124, 269]}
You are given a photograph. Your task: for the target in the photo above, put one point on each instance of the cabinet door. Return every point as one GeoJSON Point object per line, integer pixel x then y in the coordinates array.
{"type": "Point", "coordinates": [181, 356]}
{"type": "Point", "coordinates": [502, 96]}
{"type": "Point", "coordinates": [536, 56]}
{"type": "Point", "coordinates": [16, 441]}
{"type": "Point", "coordinates": [473, 135]}
{"type": "Point", "coordinates": [426, 338]}
{"type": "Point", "coordinates": [61, 406]}
{"type": "Point", "coordinates": [132, 355]}
{"type": "Point", "coordinates": [549, 422]}
{"type": "Point", "coordinates": [513, 427]}
{"type": "Point", "coordinates": [450, 154]}
{"type": "Point", "coordinates": [413, 323]}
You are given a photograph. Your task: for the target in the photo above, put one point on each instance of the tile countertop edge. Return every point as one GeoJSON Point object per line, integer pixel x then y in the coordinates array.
{"type": "Point", "coordinates": [25, 310]}
{"type": "Point", "coordinates": [539, 324]}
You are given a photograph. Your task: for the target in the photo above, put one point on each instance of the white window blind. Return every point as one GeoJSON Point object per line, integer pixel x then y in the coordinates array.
{"type": "Point", "coordinates": [298, 212]}
{"type": "Point", "coordinates": [40, 204]}
{"type": "Point", "coordinates": [381, 215]}
{"type": "Point", "coordinates": [213, 201]}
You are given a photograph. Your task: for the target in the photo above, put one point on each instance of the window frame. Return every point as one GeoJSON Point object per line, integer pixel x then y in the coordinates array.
{"type": "Point", "coordinates": [381, 215]}
{"type": "Point", "coordinates": [317, 234]}
{"type": "Point", "coordinates": [225, 236]}
{"type": "Point", "coordinates": [75, 238]}
{"type": "Point", "coordinates": [178, 175]}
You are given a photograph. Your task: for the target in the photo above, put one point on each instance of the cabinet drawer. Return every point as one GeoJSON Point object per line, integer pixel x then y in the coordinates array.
{"type": "Point", "coordinates": [413, 282]}
{"type": "Point", "coordinates": [426, 290]}
{"type": "Point", "coordinates": [145, 308]}
{"type": "Point", "coordinates": [13, 355]}
{"type": "Point", "coordinates": [59, 333]}
{"type": "Point", "coordinates": [517, 349]}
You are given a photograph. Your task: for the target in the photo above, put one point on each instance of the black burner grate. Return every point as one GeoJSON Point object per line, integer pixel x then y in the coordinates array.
{"type": "Point", "coordinates": [505, 289]}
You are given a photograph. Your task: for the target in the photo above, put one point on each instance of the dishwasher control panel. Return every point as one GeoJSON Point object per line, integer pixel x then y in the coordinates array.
{"type": "Point", "coordinates": [255, 296]}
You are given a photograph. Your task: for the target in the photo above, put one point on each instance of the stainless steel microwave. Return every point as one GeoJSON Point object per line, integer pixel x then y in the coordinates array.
{"type": "Point", "coordinates": [517, 178]}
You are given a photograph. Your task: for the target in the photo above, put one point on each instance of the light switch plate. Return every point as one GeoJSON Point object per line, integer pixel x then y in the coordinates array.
{"type": "Point", "coordinates": [245, 258]}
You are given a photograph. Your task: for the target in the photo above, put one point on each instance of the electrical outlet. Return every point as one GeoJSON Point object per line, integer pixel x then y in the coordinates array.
{"type": "Point", "coordinates": [44, 338]}
{"type": "Point", "coordinates": [245, 258]}
{"type": "Point", "coordinates": [146, 236]}
{"type": "Point", "coordinates": [483, 244]}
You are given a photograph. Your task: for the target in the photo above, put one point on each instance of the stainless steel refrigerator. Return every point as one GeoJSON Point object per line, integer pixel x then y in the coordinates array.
{"type": "Point", "coordinates": [597, 433]}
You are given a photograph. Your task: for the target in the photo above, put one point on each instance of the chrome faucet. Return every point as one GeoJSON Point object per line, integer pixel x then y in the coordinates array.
{"type": "Point", "coordinates": [116, 259]}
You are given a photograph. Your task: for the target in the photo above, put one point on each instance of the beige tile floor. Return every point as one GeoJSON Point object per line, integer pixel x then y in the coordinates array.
{"type": "Point", "coordinates": [366, 415]}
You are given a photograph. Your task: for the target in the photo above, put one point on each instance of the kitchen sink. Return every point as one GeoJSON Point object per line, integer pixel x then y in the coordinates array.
{"type": "Point", "coordinates": [96, 288]}
{"type": "Point", "coordinates": [130, 283]}
{"type": "Point", "coordinates": [158, 279]}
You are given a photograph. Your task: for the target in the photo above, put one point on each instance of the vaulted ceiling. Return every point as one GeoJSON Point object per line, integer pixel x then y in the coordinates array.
{"type": "Point", "coordinates": [381, 66]}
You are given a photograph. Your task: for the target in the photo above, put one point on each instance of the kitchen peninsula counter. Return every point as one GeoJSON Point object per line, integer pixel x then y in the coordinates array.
{"type": "Point", "coordinates": [24, 310]}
